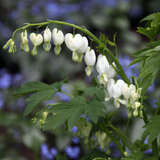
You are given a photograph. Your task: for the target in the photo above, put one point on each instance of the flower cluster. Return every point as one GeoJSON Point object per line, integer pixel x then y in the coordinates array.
{"type": "Point", "coordinates": [125, 94]}
{"type": "Point", "coordinates": [121, 92]}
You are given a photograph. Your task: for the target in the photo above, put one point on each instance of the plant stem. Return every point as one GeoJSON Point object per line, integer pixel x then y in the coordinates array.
{"type": "Point", "coordinates": [155, 149]}
{"type": "Point", "coordinates": [119, 71]}
{"type": "Point", "coordinates": [124, 139]}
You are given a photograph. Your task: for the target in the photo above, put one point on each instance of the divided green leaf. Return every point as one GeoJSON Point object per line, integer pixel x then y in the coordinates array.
{"type": "Point", "coordinates": [38, 92]}
{"type": "Point", "coordinates": [153, 128]}
{"type": "Point", "coordinates": [30, 87]}
{"type": "Point", "coordinates": [71, 112]}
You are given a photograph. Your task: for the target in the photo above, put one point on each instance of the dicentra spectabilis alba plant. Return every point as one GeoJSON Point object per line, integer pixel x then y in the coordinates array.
{"type": "Point", "coordinates": [99, 129]}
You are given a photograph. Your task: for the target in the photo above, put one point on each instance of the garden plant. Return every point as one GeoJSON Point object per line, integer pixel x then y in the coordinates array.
{"type": "Point", "coordinates": [90, 107]}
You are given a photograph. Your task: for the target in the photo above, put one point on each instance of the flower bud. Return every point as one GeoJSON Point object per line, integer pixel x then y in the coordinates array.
{"type": "Point", "coordinates": [24, 41]}
{"type": "Point", "coordinates": [10, 45]}
{"type": "Point", "coordinates": [137, 105]}
{"type": "Point", "coordinates": [135, 113]}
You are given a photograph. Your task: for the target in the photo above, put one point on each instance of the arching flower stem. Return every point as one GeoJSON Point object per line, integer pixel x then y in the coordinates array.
{"type": "Point", "coordinates": [107, 52]}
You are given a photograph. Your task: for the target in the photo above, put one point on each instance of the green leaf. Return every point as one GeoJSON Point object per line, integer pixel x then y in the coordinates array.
{"type": "Point", "coordinates": [149, 71]}
{"type": "Point", "coordinates": [12, 119]}
{"type": "Point", "coordinates": [94, 110]}
{"type": "Point", "coordinates": [30, 87]}
{"type": "Point", "coordinates": [37, 98]}
{"type": "Point", "coordinates": [95, 91]}
{"type": "Point", "coordinates": [67, 111]}
{"type": "Point", "coordinates": [152, 128]}
{"type": "Point", "coordinates": [150, 17]}
{"type": "Point", "coordinates": [150, 32]}
{"type": "Point", "coordinates": [134, 156]}
{"type": "Point", "coordinates": [93, 154]}
{"type": "Point", "coordinates": [152, 26]}
{"type": "Point", "coordinates": [99, 159]}
{"type": "Point", "coordinates": [61, 157]}
{"type": "Point", "coordinates": [70, 112]}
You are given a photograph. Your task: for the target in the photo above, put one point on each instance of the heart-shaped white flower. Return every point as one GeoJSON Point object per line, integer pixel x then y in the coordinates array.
{"type": "Point", "coordinates": [76, 43]}
{"type": "Point", "coordinates": [36, 39]}
{"type": "Point", "coordinates": [47, 35]}
{"type": "Point", "coordinates": [58, 36]}
{"type": "Point", "coordinates": [90, 57]}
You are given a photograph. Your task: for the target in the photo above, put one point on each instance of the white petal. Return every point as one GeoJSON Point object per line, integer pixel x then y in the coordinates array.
{"type": "Point", "coordinates": [102, 65]}
{"type": "Point", "coordinates": [111, 72]}
{"type": "Point", "coordinates": [47, 35]}
{"type": "Point", "coordinates": [58, 36]}
{"type": "Point", "coordinates": [68, 40]}
{"type": "Point", "coordinates": [90, 57]}
{"type": "Point", "coordinates": [84, 46]}
{"type": "Point", "coordinates": [110, 88]}
{"type": "Point", "coordinates": [36, 39]}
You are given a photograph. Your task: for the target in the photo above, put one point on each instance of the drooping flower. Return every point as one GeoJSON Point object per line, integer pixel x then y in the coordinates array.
{"type": "Point", "coordinates": [24, 41]}
{"type": "Point", "coordinates": [114, 89]}
{"type": "Point", "coordinates": [90, 60]}
{"type": "Point", "coordinates": [77, 44]}
{"type": "Point", "coordinates": [104, 69]}
{"type": "Point", "coordinates": [102, 65]}
{"type": "Point", "coordinates": [10, 45]}
{"type": "Point", "coordinates": [58, 39]}
{"type": "Point", "coordinates": [47, 39]}
{"type": "Point", "coordinates": [36, 40]}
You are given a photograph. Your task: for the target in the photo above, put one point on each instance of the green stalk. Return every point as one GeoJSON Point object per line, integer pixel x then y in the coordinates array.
{"type": "Point", "coordinates": [155, 149]}
{"type": "Point", "coordinates": [124, 139]}
{"type": "Point", "coordinates": [119, 71]}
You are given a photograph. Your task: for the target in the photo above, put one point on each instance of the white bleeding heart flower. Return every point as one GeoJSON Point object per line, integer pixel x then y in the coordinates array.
{"type": "Point", "coordinates": [47, 35]}
{"type": "Point", "coordinates": [111, 72]}
{"type": "Point", "coordinates": [104, 69]}
{"type": "Point", "coordinates": [47, 39]}
{"type": "Point", "coordinates": [102, 65]}
{"type": "Point", "coordinates": [36, 39]}
{"type": "Point", "coordinates": [58, 36]}
{"type": "Point", "coordinates": [114, 89]}
{"type": "Point", "coordinates": [58, 39]}
{"type": "Point", "coordinates": [77, 44]}
{"type": "Point", "coordinates": [90, 57]}
{"type": "Point", "coordinates": [24, 41]}
{"type": "Point", "coordinates": [90, 60]}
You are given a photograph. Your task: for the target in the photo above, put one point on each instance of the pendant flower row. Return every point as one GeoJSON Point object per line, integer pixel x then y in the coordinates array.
{"type": "Point", "coordinates": [119, 91]}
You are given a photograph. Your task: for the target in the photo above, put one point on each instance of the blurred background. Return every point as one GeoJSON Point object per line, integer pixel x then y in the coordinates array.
{"type": "Point", "coordinates": [19, 138]}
